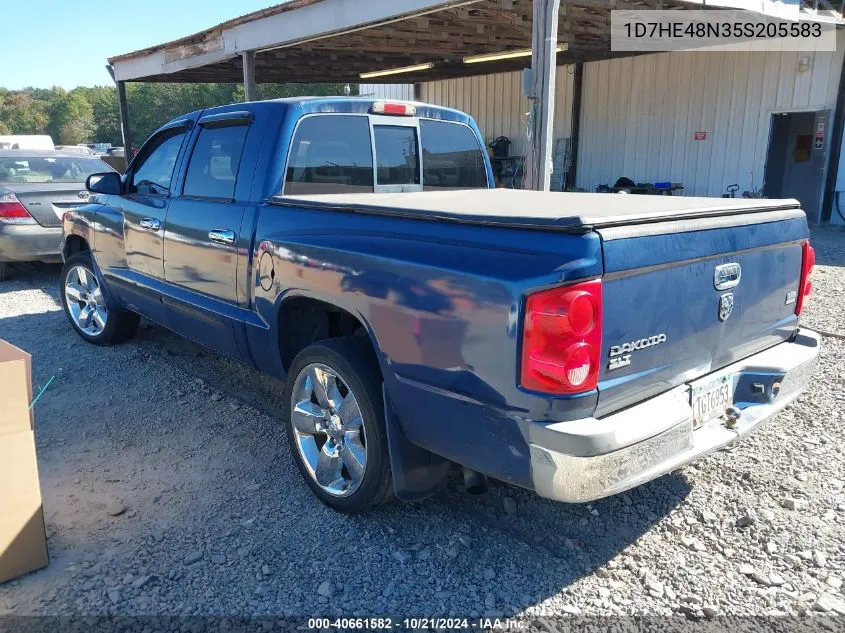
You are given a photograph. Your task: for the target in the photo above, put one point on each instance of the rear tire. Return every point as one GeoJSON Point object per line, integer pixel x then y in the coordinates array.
{"type": "Point", "coordinates": [337, 432]}
{"type": "Point", "coordinates": [4, 271]}
{"type": "Point", "coordinates": [85, 306]}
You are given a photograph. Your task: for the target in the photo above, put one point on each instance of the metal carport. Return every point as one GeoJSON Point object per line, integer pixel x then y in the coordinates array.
{"type": "Point", "coordinates": [351, 41]}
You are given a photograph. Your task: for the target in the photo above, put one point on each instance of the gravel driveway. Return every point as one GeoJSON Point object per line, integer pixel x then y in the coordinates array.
{"type": "Point", "coordinates": [168, 489]}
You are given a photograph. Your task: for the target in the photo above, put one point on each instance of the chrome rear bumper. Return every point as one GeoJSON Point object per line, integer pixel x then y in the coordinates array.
{"type": "Point", "coordinates": [583, 460]}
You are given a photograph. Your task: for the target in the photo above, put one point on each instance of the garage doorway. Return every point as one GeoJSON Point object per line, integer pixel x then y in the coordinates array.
{"type": "Point", "coordinates": [796, 158]}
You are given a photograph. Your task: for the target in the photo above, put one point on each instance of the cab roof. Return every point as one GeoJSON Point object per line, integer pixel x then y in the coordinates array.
{"type": "Point", "coordinates": [337, 105]}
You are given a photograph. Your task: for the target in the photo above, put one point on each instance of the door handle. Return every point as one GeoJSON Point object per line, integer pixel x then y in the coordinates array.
{"type": "Point", "coordinates": [221, 236]}
{"type": "Point", "coordinates": [151, 224]}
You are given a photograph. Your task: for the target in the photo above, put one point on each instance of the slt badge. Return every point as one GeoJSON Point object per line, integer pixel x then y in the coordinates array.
{"type": "Point", "coordinates": [620, 355]}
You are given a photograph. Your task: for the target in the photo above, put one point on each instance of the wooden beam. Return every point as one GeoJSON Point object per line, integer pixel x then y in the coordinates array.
{"type": "Point", "coordinates": [124, 123]}
{"type": "Point", "coordinates": [316, 69]}
{"type": "Point", "coordinates": [250, 89]}
{"type": "Point", "coordinates": [442, 36]}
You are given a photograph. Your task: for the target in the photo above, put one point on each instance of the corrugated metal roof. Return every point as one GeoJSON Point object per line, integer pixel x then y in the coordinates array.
{"type": "Point", "coordinates": [204, 35]}
{"type": "Point", "coordinates": [338, 40]}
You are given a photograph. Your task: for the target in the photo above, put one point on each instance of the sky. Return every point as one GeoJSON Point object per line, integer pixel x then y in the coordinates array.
{"type": "Point", "coordinates": [45, 43]}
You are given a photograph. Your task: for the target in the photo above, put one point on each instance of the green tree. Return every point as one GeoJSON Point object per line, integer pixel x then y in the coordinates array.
{"type": "Point", "coordinates": [23, 114]}
{"type": "Point", "coordinates": [4, 129]}
{"type": "Point", "coordinates": [72, 118]}
{"type": "Point", "coordinates": [103, 102]}
{"type": "Point", "coordinates": [91, 114]}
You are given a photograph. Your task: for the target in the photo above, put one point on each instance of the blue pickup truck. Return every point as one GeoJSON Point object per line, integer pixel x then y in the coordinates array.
{"type": "Point", "coordinates": [573, 344]}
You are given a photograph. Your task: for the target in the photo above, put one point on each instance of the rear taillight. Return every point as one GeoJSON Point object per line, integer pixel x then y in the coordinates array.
{"type": "Point", "coordinates": [12, 211]}
{"type": "Point", "coordinates": [808, 260]}
{"type": "Point", "coordinates": [561, 339]}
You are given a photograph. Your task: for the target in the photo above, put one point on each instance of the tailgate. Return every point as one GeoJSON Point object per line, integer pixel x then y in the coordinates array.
{"type": "Point", "coordinates": [46, 202]}
{"type": "Point", "coordinates": [665, 321]}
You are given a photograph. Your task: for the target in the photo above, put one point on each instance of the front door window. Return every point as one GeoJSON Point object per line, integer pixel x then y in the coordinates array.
{"type": "Point", "coordinates": [154, 172]}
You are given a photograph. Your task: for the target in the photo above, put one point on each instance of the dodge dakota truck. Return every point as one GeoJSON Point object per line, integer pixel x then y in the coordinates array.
{"type": "Point", "coordinates": [576, 345]}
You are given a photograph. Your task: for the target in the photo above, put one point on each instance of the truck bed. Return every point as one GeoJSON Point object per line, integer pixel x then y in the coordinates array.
{"type": "Point", "coordinates": [575, 212]}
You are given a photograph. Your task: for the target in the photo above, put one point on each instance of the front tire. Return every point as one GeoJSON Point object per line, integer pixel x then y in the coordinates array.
{"type": "Point", "coordinates": [334, 416]}
{"type": "Point", "coordinates": [85, 305]}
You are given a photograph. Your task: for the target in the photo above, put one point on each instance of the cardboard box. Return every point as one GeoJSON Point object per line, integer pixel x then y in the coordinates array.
{"type": "Point", "coordinates": [23, 541]}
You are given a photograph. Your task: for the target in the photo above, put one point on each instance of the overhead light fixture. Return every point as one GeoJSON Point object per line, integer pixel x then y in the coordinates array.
{"type": "Point", "coordinates": [396, 71]}
{"type": "Point", "coordinates": [494, 57]}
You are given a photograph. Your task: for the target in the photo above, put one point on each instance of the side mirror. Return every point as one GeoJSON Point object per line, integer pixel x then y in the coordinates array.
{"type": "Point", "coordinates": [106, 183]}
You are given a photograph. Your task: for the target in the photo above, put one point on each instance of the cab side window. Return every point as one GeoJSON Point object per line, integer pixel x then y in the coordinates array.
{"type": "Point", "coordinates": [154, 172]}
{"type": "Point", "coordinates": [213, 170]}
{"type": "Point", "coordinates": [330, 154]}
{"type": "Point", "coordinates": [452, 157]}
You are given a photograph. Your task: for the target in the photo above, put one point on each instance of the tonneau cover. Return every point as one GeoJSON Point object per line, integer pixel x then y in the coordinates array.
{"type": "Point", "coordinates": [535, 209]}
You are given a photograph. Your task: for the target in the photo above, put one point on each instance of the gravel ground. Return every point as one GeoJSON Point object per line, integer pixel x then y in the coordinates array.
{"type": "Point", "coordinates": [826, 310]}
{"type": "Point", "coordinates": [168, 489]}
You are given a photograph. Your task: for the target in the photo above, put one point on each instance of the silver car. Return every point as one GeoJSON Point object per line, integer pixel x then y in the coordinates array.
{"type": "Point", "coordinates": [36, 188]}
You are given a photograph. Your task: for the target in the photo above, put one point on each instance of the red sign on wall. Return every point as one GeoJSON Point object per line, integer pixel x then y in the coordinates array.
{"type": "Point", "coordinates": [700, 136]}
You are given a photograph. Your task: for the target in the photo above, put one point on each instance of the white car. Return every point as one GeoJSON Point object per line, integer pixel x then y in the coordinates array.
{"type": "Point", "coordinates": [76, 149]}
{"type": "Point", "coordinates": [26, 141]}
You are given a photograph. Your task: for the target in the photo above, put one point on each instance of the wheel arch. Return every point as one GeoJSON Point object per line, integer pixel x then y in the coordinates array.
{"type": "Point", "coordinates": [329, 319]}
{"type": "Point", "coordinates": [416, 472]}
{"type": "Point", "coordinates": [74, 244]}
{"type": "Point", "coordinates": [119, 325]}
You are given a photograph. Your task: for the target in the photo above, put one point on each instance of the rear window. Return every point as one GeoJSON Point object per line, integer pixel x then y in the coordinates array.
{"type": "Point", "coordinates": [452, 157]}
{"type": "Point", "coordinates": [330, 154]}
{"type": "Point", "coordinates": [213, 170]}
{"type": "Point", "coordinates": [24, 169]}
{"type": "Point", "coordinates": [397, 158]}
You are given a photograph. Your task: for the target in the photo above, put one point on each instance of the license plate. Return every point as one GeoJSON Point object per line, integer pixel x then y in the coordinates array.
{"type": "Point", "coordinates": [711, 397]}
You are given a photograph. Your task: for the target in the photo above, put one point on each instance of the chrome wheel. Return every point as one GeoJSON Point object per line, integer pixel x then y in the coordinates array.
{"type": "Point", "coordinates": [329, 429]}
{"type": "Point", "coordinates": [85, 301]}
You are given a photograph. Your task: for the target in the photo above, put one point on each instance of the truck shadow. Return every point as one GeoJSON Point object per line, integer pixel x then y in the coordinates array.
{"type": "Point", "coordinates": [26, 275]}
{"type": "Point", "coordinates": [221, 480]}
{"type": "Point", "coordinates": [522, 557]}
